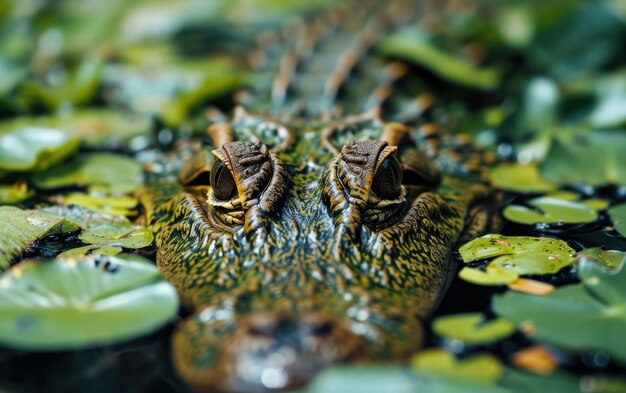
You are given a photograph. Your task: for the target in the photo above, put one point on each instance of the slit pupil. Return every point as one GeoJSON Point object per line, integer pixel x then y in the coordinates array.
{"type": "Point", "coordinates": [388, 178]}
{"type": "Point", "coordinates": [222, 181]}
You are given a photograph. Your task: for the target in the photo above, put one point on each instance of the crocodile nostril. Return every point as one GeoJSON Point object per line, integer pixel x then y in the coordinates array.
{"type": "Point", "coordinates": [262, 331]}
{"type": "Point", "coordinates": [322, 329]}
{"type": "Point", "coordinates": [266, 326]}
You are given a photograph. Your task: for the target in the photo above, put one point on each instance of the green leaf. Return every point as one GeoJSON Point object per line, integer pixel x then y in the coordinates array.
{"type": "Point", "coordinates": [34, 148]}
{"type": "Point", "coordinates": [491, 276]}
{"type": "Point", "coordinates": [65, 304]}
{"type": "Point", "coordinates": [370, 379]}
{"type": "Point", "coordinates": [19, 229]}
{"type": "Point", "coordinates": [103, 230]}
{"type": "Point", "coordinates": [118, 234]}
{"type": "Point", "coordinates": [520, 178]}
{"type": "Point", "coordinates": [592, 26]}
{"type": "Point", "coordinates": [481, 368]}
{"type": "Point", "coordinates": [414, 45]}
{"type": "Point", "coordinates": [618, 216]}
{"type": "Point", "coordinates": [558, 382]}
{"type": "Point", "coordinates": [113, 172]}
{"type": "Point", "coordinates": [472, 328]}
{"type": "Point", "coordinates": [577, 317]}
{"type": "Point", "coordinates": [519, 254]}
{"type": "Point", "coordinates": [596, 158]}
{"type": "Point", "coordinates": [95, 128]}
{"type": "Point", "coordinates": [611, 259]}
{"type": "Point", "coordinates": [565, 195]}
{"type": "Point", "coordinates": [15, 193]}
{"type": "Point", "coordinates": [610, 92]}
{"type": "Point", "coordinates": [117, 205]}
{"type": "Point", "coordinates": [551, 210]}
{"type": "Point", "coordinates": [490, 246]}
{"type": "Point", "coordinates": [90, 250]}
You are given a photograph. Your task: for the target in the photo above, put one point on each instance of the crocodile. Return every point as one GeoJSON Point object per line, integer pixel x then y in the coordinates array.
{"type": "Point", "coordinates": [318, 229]}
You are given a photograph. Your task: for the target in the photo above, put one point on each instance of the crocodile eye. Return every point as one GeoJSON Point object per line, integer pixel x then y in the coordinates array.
{"type": "Point", "coordinates": [388, 178]}
{"type": "Point", "coordinates": [222, 181]}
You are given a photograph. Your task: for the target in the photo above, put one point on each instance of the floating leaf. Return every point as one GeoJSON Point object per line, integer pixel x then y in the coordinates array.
{"type": "Point", "coordinates": [593, 25]}
{"type": "Point", "coordinates": [34, 148]}
{"type": "Point", "coordinates": [596, 203]}
{"type": "Point", "coordinates": [522, 381]}
{"type": "Point", "coordinates": [119, 205]}
{"type": "Point", "coordinates": [612, 259]}
{"type": "Point", "coordinates": [518, 254]}
{"type": "Point", "coordinates": [490, 246]}
{"type": "Point", "coordinates": [565, 195]}
{"type": "Point", "coordinates": [15, 193]}
{"type": "Point", "coordinates": [491, 276]}
{"type": "Point", "coordinates": [95, 128]}
{"type": "Point", "coordinates": [520, 178]}
{"type": "Point", "coordinates": [482, 368]}
{"type": "Point", "coordinates": [73, 303]}
{"type": "Point", "coordinates": [19, 229]}
{"type": "Point", "coordinates": [113, 172]}
{"type": "Point", "coordinates": [596, 158]}
{"type": "Point", "coordinates": [414, 44]}
{"type": "Point", "coordinates": [618, 216]}
{"type": "Point", "coordinates": [105, 233]}
{"type": "Point", "coordinates": [472, 328]}
{"type": "Point", "coordinates": [577, 317]}
{"type": "Point", "coordinates": [550, 210]}
{"type": "Point", "coordinates": [118, 234]}
{"type": "Point", "coordinates": [368, 379]}
{"type": "Point", "coordinates": [90, 250]}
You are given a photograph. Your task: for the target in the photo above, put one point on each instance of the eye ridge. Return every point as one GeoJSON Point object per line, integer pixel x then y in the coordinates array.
{"type": "Point", "coordinates": [388, 178]}
{"type": "Point", "coordinates": [222, 182]}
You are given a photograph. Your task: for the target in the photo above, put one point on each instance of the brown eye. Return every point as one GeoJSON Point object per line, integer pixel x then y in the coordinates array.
{"type": "Point", "coordinates": [388, 179]}
{"type": "Point", "coordinates": [222, 181]}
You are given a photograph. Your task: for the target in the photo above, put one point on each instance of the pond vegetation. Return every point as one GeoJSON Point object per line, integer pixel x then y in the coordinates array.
{"type": "Point", "coordinates": [92, 92]}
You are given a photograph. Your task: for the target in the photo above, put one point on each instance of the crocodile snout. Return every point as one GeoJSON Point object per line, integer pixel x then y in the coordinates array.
{"type": "Point", "coordinates": [267, 352]}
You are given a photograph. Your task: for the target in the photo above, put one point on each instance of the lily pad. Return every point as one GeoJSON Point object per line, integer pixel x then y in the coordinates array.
{"type": "Point", "coordinates": [565, 195]}
{"type": "Point", "coordinates": [520, 254]}
{"type": "Point", "coordinates": [19, 229]}
{"type": "Point", "coordinates": [117, 205]}
{"type": "Point", "coordinates": [590, 316]}
{"type": "Point", "coordinates": [113, 172]}
{"type": "Point", "coordinates": [596, 204]}
{"type": "Point", "coordinates": [90, 250]}
{"type": "Point", "coordinates": [490, 276]}
{"type": "Point", "coordinates": [520, 178]}
{"type": "Point", "coordinates": [596, 158]}
{"type": "Point", "coordinates": [490, 246]}
{"type": "Point", "coordinates": [551, 210]}
{"type": "Point", "coordinates": [612, 259]}
{"type": "Point", "coordinates": [618, 216]}
{"type": "Point", "coordinates": [415, 45]}
{"type": "Point", "coordinates": [119, 234]}
{"type": "Point", "coordinates": [73, 303]}
{"type": "Point", "coordinates": [482, 368]}
{"type": "Point", "coordinates": [369, 379]}
{"type": "Point", "coordinates": [15, 193]}
{"type": "Point", "coordinates": [95, 128]}
{"type": "Point", "coordinates": [104, 233]}
{"type": "Point", "coordinates": [472, 328]}
{"type": "Point", "coordinates": [34, 148]}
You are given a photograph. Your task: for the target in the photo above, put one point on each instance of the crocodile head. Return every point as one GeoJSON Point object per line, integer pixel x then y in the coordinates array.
{"type": "Point", "coordinates": [304, 246]}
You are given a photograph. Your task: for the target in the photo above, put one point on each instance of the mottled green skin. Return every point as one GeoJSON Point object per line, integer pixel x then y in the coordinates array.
{"type": "Point", "coordinates": [311, 255]}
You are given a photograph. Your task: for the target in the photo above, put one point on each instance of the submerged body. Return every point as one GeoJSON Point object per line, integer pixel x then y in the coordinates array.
{"type": "Point", "coordinates": [307, 241]}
